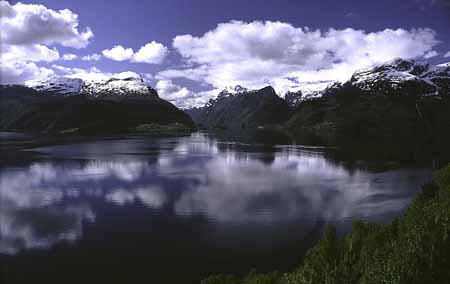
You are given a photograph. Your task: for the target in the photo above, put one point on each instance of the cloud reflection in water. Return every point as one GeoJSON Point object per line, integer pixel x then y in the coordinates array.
{"type": "Point", "coordinates": [228, 183]}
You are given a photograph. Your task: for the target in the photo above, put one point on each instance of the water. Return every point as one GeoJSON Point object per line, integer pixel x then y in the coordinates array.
{"type": "Point", "coordinates": [174, 210]}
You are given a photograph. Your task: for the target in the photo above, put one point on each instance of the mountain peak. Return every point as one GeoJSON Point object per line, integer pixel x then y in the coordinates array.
{"type": "Point", "coordinates": [95, 84]}
{"type": "Point", "coordinates": [232, 90]}
{"type": "Point", "coordinates": [408, 77]}
{"type": "Point", "coordinates": [57, 85]}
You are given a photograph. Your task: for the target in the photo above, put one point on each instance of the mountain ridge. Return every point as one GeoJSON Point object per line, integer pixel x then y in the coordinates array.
{"type": "Point", "coordinates": [95, 85]}
{"type": "Point", "coordinates": [61, 106]}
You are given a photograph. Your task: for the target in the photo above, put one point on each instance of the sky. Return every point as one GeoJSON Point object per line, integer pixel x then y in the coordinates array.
{"type": "Point", "coordinates": [191, 49]}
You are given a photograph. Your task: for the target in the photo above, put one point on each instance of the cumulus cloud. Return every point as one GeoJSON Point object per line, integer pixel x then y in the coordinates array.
{"type": "Point", "coordinates": [118, 53]}
{"type": "Point", "coordinates": [31, 53]}
{"type": "Point", "coordinates": [91, 57]}
{"type": "Point", "coordinates": [69, 57]}
{"type": "Point", "coordinates": [447, 54]}
{"type": "Point", "coordinates": [73, 70]}
{"type": "Point", "coordinates": [15, 72]}
{"type": "Point", "coordinates": [194, 74]}
{"type": "Point", "coordinates": [29, 33]}
{"type": "Point", "coordinates": [181, 96]}
{"type": "Point", "coordinates": [151, 53]}
{"type": "Point", "coordinates": [274, 53]}
{"type": "Point", "coordinates": [24, 24]}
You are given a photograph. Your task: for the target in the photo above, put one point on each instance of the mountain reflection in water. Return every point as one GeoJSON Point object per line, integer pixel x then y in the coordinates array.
{"type": "Point", "coordinates": [179, 198]}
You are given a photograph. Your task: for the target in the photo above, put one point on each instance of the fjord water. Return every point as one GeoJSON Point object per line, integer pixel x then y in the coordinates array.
{"type": "Point", "coordinates": [174, 210]}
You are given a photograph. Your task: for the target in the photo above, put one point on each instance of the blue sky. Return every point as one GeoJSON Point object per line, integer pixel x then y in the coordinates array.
{"type": "Point", "coordinates": [190, 57]}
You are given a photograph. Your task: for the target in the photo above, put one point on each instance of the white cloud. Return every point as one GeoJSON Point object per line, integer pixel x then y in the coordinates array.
{"type": "Point", "coordinates": [30, 53]}
{"type": "Point", "coordinates": [91, 57]}
{"type": "Point", "coordinates": [151, 53]}
{"type": "Point", "coordinates": [75, 72]}
{"type": "Point", "coordinates": [118, 53]}
{"type": "Point", "coordinates": [181, 96]}
{"type": "Point", "coordinates": [15, 72]}
{"type": "Point", "coordinates": [25, 24]}
{"type": "Point", "coordinates": [29, 33]}
{"type": "Point", "coordinates": [67, 70]}
{"type": "Point", "coordinates": [194, 74]}
{"type": "Point", "coordinates": [430, 54]}
{"type": "Point", "coordinates": [257, 54]}
{"type": "Point", "coordinates": [69, 57]}
{"type": "Point", "coordinates": [447, 54]}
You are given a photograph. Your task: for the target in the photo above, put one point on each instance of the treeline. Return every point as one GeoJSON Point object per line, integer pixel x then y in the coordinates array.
{"type": "Point", "coordinates": [415, 248]}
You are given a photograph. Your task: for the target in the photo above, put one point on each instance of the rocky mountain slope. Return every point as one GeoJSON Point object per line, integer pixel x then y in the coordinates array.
{"type": "Point", "coordinates": [397, 110]}
{"type": "Point", "coordinates": [294, 99]}
{"type": "Point", "coordinates": [239, 109]}
{"type": "Point", "coordinates": [103, 104]}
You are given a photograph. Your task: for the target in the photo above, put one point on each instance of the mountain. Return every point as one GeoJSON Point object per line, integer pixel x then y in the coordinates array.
{"type": "Point", "coordinates": [104, 104]}
{"type": "Point", "coordinates": [238, 109]}
{"type": "Point", "coordinates": [404, 77]}
{"type": "Point", "coordinates": [57, 86]}
{"type": "Point", "coordinates": [295, 98]}
{"type": "Point", "coordinates": [397, 77]}
{"type": "Point", "coordinates": [96, 85]}
{"type": "Point", "coordinates": [397, 110]}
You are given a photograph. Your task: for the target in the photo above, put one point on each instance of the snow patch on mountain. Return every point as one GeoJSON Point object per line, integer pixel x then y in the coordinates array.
{"type": "Point", "coordinates": [121, 84]}
{"type": "Point", "coordinates": [397, 77]}
{"type": "Point", "coordinates": [444, 64]}
{"type": "Point", "coordinates": [308, 93]}
{"type": "Point", "coordinates": [232, 90]}
{"type": "Point", "coordinates": [57, 85]}
{"type": "Point", "coordinates": [95, 84]}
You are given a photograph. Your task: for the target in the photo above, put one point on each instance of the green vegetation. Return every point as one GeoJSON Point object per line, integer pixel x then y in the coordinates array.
{"type": "Point", "coordinates": [414, 248]}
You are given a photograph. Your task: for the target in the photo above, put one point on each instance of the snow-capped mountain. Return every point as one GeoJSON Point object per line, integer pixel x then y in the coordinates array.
{"type": "Point", "coordinates": [397, 77]}
{"type": "Point", "coordinates": [232, 90]}
{"type": "Point", "coordinates": [226, 93]}
{"type": "Point", "coordinates": [293, 99]}
{"type": "Point", "coordinates": [406, 77]}
{"type": "Point", "coordinates": [57, 85]}
{"type": "Point", "coordinates": [96, 85]}
{"type": "Point", "coordinates": [238, 108]}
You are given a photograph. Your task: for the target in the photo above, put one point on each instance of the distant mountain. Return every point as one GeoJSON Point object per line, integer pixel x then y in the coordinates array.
{"type": "Point", "coordinates": [195, 113]}
{"type": "Point", "coordinates": [397, 77]}
{"type": "Point", "coordinates": [96, 85]}
{"type": "Point", "coordinates": [239, 109]}
{"type": "Point", "coordinates": [397, 110]}
{"type": "Point", "coordinates": [294, 99]}
{"type": "Point", "coordinates": [404, 77]}
{"type": "Point", "coordinates": [104, 104]}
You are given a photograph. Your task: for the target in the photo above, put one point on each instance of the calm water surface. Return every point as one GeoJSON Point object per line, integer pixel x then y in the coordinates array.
{"type": "Point", "coordinates": [173, 210]}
